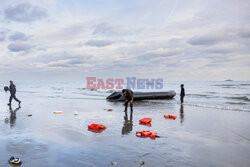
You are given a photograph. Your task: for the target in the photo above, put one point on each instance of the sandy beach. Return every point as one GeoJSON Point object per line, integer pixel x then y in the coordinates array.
{"type": "Point", "coordinates": [198, 137]}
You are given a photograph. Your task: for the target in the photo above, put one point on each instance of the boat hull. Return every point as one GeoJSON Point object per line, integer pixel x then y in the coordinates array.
{"type": "Point", "coordinates": [118, 96]}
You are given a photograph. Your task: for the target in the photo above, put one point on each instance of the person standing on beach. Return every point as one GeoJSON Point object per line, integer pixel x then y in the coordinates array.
{"type": "Point", "coordinates": [128, 94]}
{"type": "Point", "coordinates": [182, 94]}
{"type": "Point", "coordinates": [12, 89]}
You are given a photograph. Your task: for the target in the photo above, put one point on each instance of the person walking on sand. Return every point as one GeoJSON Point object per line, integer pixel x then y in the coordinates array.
{"type": "Point", "coordinates": [128, 94]}
{"type": "Point", "coordinates": [12, 89]}
{"type": "Point", "coordinates": [182, 94]}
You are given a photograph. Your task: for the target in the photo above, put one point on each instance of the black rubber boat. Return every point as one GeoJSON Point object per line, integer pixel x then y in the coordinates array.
{"type": "Point", "coordinates": [118, 96]}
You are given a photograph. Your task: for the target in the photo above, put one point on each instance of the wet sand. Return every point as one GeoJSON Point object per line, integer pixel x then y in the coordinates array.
{"type": "Point", "coordinates": [198, 137]}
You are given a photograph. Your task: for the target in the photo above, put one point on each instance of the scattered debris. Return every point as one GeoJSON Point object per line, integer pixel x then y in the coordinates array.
{"type": "Point", "coordinates": [109, 110]}
{"type": "Point", "coordinates": [29, 115]}
{"type": "Point", "coordinates": [14, 160]}
{"type": "Point", "coordinates": [145, 120]}
{"type": "Point", "coordinates": [76, 113]}
{"type": "Point", "coordinates": [142, 162]}
{"type": "Point", "coordinates": [145, 134]}
{"type": "Point", "coordinates": [96, 128]}
{"type": "Point", "coordinates": [58, 112]}
{"type": "Point", "coordinates": [113, 163]}
{"type": "Point", "coordinates": [170, 116]}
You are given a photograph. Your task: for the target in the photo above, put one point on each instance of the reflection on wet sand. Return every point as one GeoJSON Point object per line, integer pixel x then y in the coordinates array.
{"type": "Point", "coordinates": [12, 119]}
{"type": "Point", "coordinates": [182, 114]}
{"type": "Point", "coordinates": [128, 123]}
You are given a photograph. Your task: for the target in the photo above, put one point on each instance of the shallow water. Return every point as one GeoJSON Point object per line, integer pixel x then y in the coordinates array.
{"type": "Point", "coordinates": [202, 135]}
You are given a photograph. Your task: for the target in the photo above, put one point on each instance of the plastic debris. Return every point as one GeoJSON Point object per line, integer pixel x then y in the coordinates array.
{"type": "Point", "coordinates": [170, 116]}
{"type": "Point", "coordinates": [14, 160]}
{"type": "Point", "coordinates": [58, 112]}
{"type": "Point", "coordinates": [145, 120]}
{"type": "Point", "coordinates": [146, 134]}
{"type": "Point", "coordinates": [113, 163]}
{"type": "Point", "coordinates": [142, 162]}
{"type": "Point", "coordinates": [96, 128]}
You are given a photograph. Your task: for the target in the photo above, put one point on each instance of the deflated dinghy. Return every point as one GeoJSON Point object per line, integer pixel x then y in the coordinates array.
{"type": "Point", "coordinates": [143, 95]}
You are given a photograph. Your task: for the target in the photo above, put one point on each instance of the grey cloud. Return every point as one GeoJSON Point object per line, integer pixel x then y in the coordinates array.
{"type": "Point", "coordinates": [110, 30]}
{"type": "Point", "coordinates": [214, 37]}
{"type": "Point", "coordinates": [18, 36]}
{"type": "Point", "coordinates": [152, 56]}
{"type": "Point", "coordinates": [245, 33]}
{"type": "Point", "coordinates": [66, 63]}
{"type": "Point", "coordinates": [25, 12]}
{"type": "Point", "coordinates": [19, 46]}
{"type": "Point", "coordinates": [3, 34]}
{"type": "Point", "coordinates": [203, 40]}
{"type": "Point", "coordinates": [98, 43]}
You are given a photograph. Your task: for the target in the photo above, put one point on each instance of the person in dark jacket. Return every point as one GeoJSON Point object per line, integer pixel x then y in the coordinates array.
{"type": "Point", "coordinates": [128, 94]}
{"type": "Point", "coordinates": [182, 94]}
{"type": "Point", "coordinates": [12, 89]}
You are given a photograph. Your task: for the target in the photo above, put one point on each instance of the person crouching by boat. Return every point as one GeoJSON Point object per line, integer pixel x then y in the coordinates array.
{"type": "Point", "coordinates": [182, 94]}
{"type": "Point", "coordinates": [128, 94]}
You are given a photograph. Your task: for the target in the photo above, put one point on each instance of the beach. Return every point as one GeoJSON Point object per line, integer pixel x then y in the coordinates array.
{"type": "Point", "coordinates": [211, 129]}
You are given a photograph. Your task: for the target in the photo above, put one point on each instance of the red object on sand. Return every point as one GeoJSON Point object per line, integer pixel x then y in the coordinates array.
{"type": "Point", "coordinates": [146, 134]}
{"type": "Point", "coordinates": [170, 116]}
{"type": "Point", "coordinates": [97, 126]}
{"type": "Point", "coordinates": [145, 120]}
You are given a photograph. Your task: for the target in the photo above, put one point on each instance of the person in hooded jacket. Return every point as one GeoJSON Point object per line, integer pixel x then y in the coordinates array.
{"type": "Point", "coordinates": [12, 89]}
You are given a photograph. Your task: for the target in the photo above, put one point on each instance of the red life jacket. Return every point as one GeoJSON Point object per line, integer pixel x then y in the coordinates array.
{"type": "Point", "coordinates": [146, 134]}
{"type": "Point", "coordinates": [145, 120]}
{"type": "Point", "coordinates": [170, 116]}
{"type": "Point", "coordinates": [96, 126]}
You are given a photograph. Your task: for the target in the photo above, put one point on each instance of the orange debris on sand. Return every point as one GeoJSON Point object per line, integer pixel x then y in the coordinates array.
{"type": "Point", "coordinates": [146, 134]}
{"type": "Point", "coordinates": [97, 126]}
{"type": "Point", "coordinates": [145, 120]}
{"type": "Point", "coordinates": [170, 116]}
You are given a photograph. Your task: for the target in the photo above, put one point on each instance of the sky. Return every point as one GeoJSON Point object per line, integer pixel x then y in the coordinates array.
{"type": "Point", "coordinates": [177, 40]}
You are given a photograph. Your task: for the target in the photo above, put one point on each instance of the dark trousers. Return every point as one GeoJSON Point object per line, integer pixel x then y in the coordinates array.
{"type": "Point", "coordinates": [126, 105]}
{"type": "Point", "coordinates": [182, 99]}
{"type": "Point", "coordinates": [13, 96]}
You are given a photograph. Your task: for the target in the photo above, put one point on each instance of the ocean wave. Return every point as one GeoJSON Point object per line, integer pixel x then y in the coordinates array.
{"type": "Point", "coordinates": [221, 107]}
{"type": "Point", "coordinates": [225, 85]}
{"type": "Point", "coordinates": [212, 92]}
{"type": "Point", "coordinates": [244, 84]}
{"type": "Point", "coordinates": [236, 103]}
{"type": "Point", "coordinates": [57, 88]}
{"type": "Point", "coordinates": [245, 98]}
{"type": "Point", "coordinates": [202, 95]}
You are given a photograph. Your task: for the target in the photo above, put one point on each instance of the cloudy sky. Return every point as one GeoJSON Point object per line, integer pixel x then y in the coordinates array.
{"type": "Point", "coordinates": [172, 39]}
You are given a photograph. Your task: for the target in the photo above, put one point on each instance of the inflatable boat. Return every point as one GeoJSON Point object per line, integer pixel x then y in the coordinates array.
{"type": "Point", "coordinates": [143, 95]}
